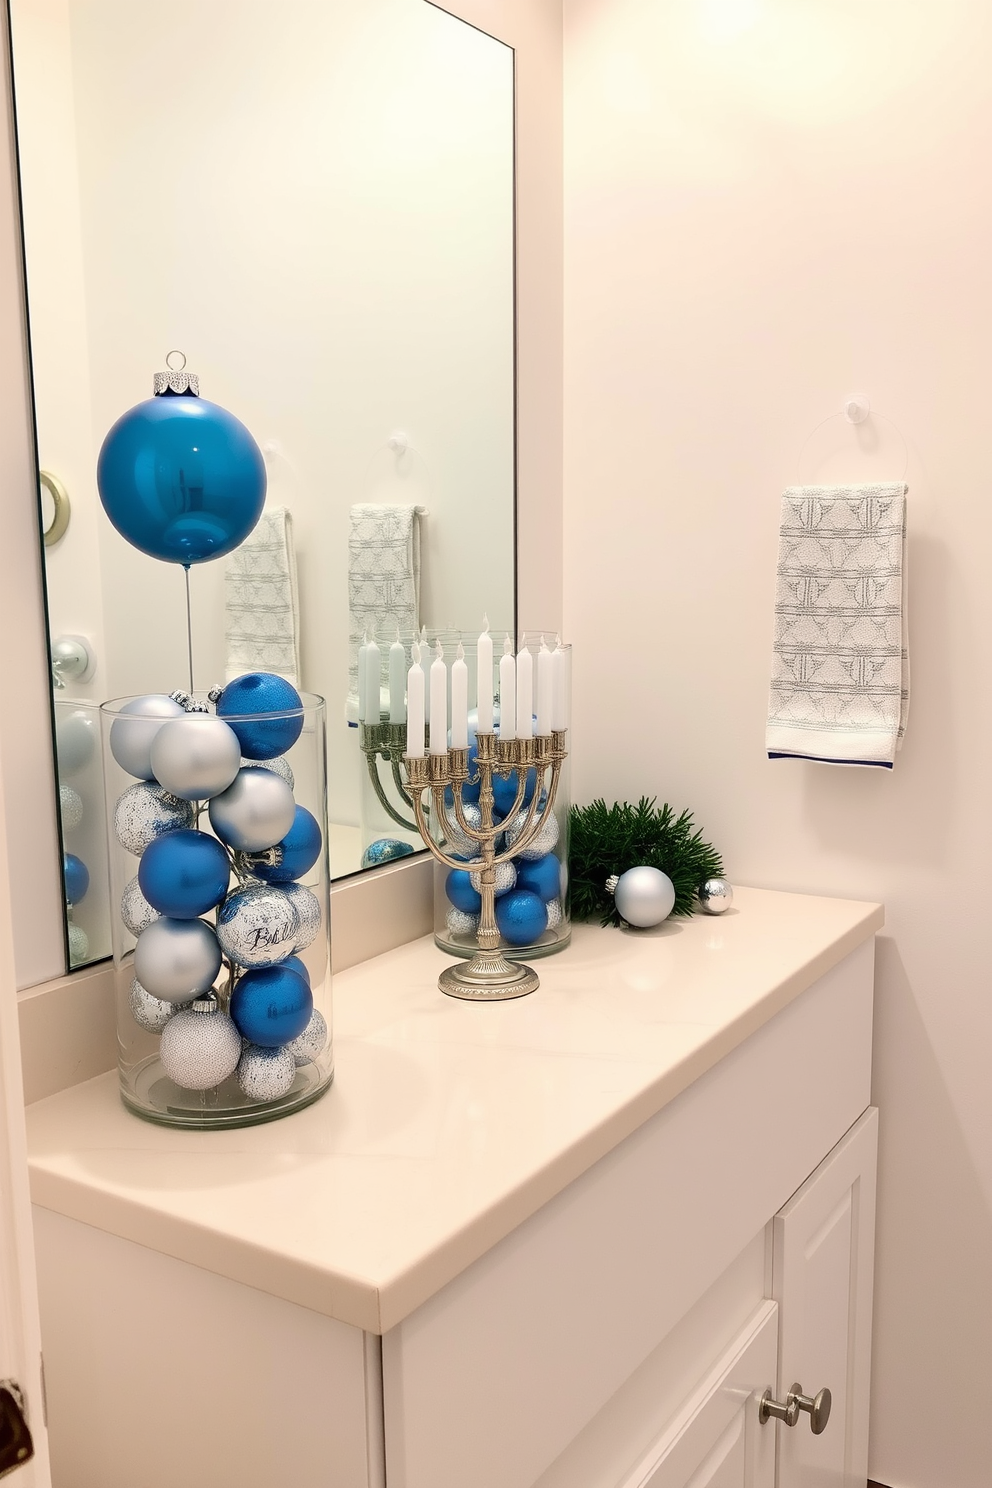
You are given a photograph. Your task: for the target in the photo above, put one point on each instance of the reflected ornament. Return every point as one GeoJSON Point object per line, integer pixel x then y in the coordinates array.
{"type": "Point", "coordinates": [184, 874]}
{"type": "Point", "coordinates": [146, 811]}
{"type": "Point", "coordinates": [307, 907]}
{"type": "Point", "coordinates": [75, 741]}
{"type": "Point", "coordinates": [279, 766]}
{"type": "Point", "coordinates": [257, 925]}
{"type": "Point", "coordinates": [460, 923]}
{"type": "Point", "coordinates": [542, 876]}
{"type": "Point", "coordinates": [644, 896]}
{"type": "Point", "coordinates": [545, 840]}
{"type": "Point", "coordinates": [150, 1013]}
{"type": "Point", "coordinates": [271, 1006]}
{"type": "Point", "coordinates": [294, 855]}
{"type": "Point", "coordinates": [76, 877]}
{"type": "Point", "coordinates": [200, 1046]}
{"type": "Point", "coordinates": [133, 731]}
{"type": "Point", "coordinates": [385, 850]}
{"type": "Point", "coordinates": [555, 913]}
{"type": "Point", "coordinates": [255, 812]}
{"type": "Point", "coordinates": [506, 877]}
{"type": "Point", "coordinates": [266, 1074]}
{"type": "Point", "coordinates": [79, 945]}
{"type": "Point", "coordinates": [177, 960]}
{"type": "Point", "coordinates": [311, 1042]}
{"type": "Point", "coordinates": [136, 912]}
{"type": "Point", "coordinates": [715, 896]}
{"type": "Point", "coordinates": [248, 700]}
{"type": "Point", "coordinates": [71, 807]}
{"type": "Point", "coordinates": [196, 756]}
{"type": "Point", "coordinates": [521, 917]}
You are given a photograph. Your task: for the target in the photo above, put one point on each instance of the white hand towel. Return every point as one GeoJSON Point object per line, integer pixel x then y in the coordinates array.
{"type": "Point", "coordinates": [840, 663]}
{"type": "Point", "coordinates": [261, 601]}
{"type": "Point", "coordinates": [383, 579]}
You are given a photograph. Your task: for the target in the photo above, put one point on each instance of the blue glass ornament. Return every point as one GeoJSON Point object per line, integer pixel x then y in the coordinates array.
{"type": "Point", "coordinates": [271, 1006]}
{"type": "Point", "coordinates": [184, 874]}
{"type": "Point", "coordinates": [181, 478]}
{"type": "Point", "coordinates": [295, 854]}
{"type": "Point", "coordinates": [505, 790]}
{"type": "Point", "coordinates": [542, 876]}
{"type": "Point", "coordinates": [77, 878]}
{"type": "Point", "coordinates": [458, 887]}
{"type": "Point", "coordinates": [521, 917]}
{"type": "Point", "coordinates": [385, 850]}
{"type": "Point", "coordinates": [256, 694]}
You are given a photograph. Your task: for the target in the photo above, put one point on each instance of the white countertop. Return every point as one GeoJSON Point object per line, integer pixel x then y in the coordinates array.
{"type": "Point", "coordinates": [448, 1123]}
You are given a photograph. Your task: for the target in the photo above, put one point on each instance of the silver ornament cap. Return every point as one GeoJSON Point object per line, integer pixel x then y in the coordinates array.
{"type": "Point", "coordinates": [715, 896]}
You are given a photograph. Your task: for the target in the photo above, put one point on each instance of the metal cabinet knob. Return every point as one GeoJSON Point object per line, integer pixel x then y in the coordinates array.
{"type": "Point", "coordinates": [817, 1406]}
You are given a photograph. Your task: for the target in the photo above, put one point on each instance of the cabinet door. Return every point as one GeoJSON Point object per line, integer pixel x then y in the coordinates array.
{"type": "Point", "coordinates": [822, 1268]}
{"type": "Point", "coordinates": [715, 1441]}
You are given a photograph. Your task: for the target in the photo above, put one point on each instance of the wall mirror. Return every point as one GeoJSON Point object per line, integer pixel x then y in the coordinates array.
{"type": "Point", "coordinates": [314, 202]}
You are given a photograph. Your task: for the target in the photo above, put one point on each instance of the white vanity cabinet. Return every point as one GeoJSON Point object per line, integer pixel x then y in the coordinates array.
{"type": "Point", "coordinates": [571, 1245]}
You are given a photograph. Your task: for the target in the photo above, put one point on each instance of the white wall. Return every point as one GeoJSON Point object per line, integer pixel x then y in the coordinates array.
{"type": "Point", "coordinates": [770, 205]}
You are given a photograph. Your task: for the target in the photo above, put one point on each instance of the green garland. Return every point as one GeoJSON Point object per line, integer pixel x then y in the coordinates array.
{"type": "Point", "coordinates": [610, 839]}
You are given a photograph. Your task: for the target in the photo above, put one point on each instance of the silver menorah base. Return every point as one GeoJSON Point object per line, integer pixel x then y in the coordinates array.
{"type": "Point", "coordinates": [488, 977]}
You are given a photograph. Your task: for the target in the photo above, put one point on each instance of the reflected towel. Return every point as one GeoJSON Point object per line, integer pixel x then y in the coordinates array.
{"type": "Point", "coordinates": [261, 602]}
{"type": "Point", "coordinates": [840, 664]}
{"type": "Point", "coordinates": [383, 579]}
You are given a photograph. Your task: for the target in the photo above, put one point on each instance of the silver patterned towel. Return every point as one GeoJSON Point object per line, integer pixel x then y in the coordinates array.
{"type": "Point", "coordinates": [260, 601]}
{"type": "Point", "coordinates": [840, 664]}
{"type": "Point", "coordinates": [383, 579]}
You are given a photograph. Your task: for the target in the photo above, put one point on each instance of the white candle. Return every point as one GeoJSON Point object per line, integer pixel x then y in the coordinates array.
{"type": "Point", "coordinates": [397, 680]}
{"type": "Point", "coordinates": [545, 689]}
{"type": "Point", "coordinates": [525, 694]}
{"type": "Point", "coordinates": [363, 648]}
{"type": "Point", "coordinates": [415, 707]}
{"type": "Point", "coordinates": [507, 693]}
{"type": "Point", "coordinates": [425, 662]}
{"type": "Point", "coordinates": [459, 701]}
{"type": "Point", "coordinates": [559, 706]}
{"type": "Point", "coordinates": [373, 682]}
{"type": "Point", "coordinates": [439, 702]}
{"type": "Point", "coordinates": [484, 652]}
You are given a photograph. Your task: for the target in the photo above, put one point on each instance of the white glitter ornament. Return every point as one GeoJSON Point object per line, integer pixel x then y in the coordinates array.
{"type": "Point", "coordinates": [460, 923]}
{"type": "Point", "coordinates": [554, 909]}
{"type": "Point", "coordinates": [71, 805]}
{"type": "Point", "coordinates": [145, 812]}
{"type": "Point", "coordinates": [258, 925]}
{"type": "Point", "coordinates": [136, 912]}
{"type": "Point", "coordinates": [266, 1074]}
{"type": "Point", "coordinates": [279, 766]}
{"type": "Point", "coordinates": [506, 877]}
{"type": "Point", "coordinates": [544, 842]}
{"type": "Point", "coordinates": [307, 907]}
{"type": "Point", "coordinates": [457, 840]}
{"type": "Point", "coordinates": [79, 945]}
{"type": "Point", "coordinates": [196, 756]}
{"type": "Point", "coordinates": [150, 1013]}
{"type": "Point", "coordinates": [200, 1046]}
{"type": "Point", "coordinates": [306, 1047]}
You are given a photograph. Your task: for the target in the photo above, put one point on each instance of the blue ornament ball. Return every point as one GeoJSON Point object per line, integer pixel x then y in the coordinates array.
{"type": "Point", "coordinates": [505, 790]}
{"type": "Point", "coordinates": [521, 916]}
{"type": "Point", "coordinates": [295, 854]}
{"type": "Point", "coordinates": [542, 876]}
{"type": "Point", "coordinates": [271, 1006]}
{"type": "Point", "coordinates": [184, 874]}
{"type": "Point", "coordinates": [297, 964]}
{"type": "Point", "coordinates": [458, 887]}
{"type": "Point", "coordinates": [385, 850]}
{"type": "Point", "coordinates": [181, 479]}
{"type": "Point", "coordinates": [245, 702]}
{"type": "Point", "coordinates": [77, 878]}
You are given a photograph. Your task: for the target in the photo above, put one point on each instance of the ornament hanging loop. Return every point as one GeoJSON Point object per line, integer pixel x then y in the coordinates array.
{"type": "Point", "coordinates": [182, 364]}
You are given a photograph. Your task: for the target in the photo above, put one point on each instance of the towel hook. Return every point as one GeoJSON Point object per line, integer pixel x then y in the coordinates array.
{"type": "Point", "coordinates": [855, 410]}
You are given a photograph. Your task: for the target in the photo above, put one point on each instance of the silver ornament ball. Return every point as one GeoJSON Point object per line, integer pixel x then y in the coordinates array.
{"type": "Point", "coordinates": [307, 907]}
{"type": "Point", "coordinates": [136, 912]}
{"type": "Point", "coordinates": [133, 731]}
{"type": "Point", "coordinates": [644, 896]}
{"type": "Point", "coordinates": [71, 806]}
{"type": "Point", "coordinates": [257, 925]}
{"type": "Point", "coordinates": [544, 842]}
{"type": "Point", "coordinates": [145, 812]}
{"type": "Point", "coordinates": [177, 960]}
{"type": "Point", "coordinates": [555, 913]}
{"type": "Point", "coordinates": [458, 922]}
{"type": "Point", "coordinates": [715, 896]}
{"type": "Point", "coordinates": [457, 840]}
{"type": "Point", "coordinates": [75, 741]}
{"type": "Point", "coordinates": [279, 766]}
{"type": "Point", "coordinates": [311, 1042]}
{"type": "Point", "coordinates": [255, 812]}
{"type": "Point", "coordinates": [266, 1074]}
{"type": "Point", "coordinates": [79, 945]}
{"type": "Point", "coordinates": [506, 877]}
{"type": "Point", "coordinates": [196, 756]}
{"type": "Point", "coordinates": [150, 1013]}
{"type": "Point", "coordinates": [200, 1046]}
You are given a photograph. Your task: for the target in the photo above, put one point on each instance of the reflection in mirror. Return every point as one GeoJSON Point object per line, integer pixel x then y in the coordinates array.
{"type": "Point", "coordinates": [315, 202]}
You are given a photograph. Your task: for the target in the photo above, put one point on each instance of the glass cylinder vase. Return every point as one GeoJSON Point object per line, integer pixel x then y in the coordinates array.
{"type": "Point", "coordinates": [532, 901]}
{"type": "Point", "coordinates": [217, 832]}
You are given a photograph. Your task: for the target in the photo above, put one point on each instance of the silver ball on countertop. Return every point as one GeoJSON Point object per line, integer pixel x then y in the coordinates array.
{"type": "Point", "coordinates": [177, 960]}
{"type": "Point", "coordinates": [279, 766]}
{"type": "Point", "coordinates": [311, 1042]}
{"type": "Point", "coordinates": [458, 922]}
{"type": "Point", "coordinates": [715, 896]}
{"type": "Point", "coordinates": [266, 1074]}
{"type": "Point", "coordinates": [146, 811]}
{"type": "Point", "coordinates": [506, 877]}
{"type": "Point", "coordinates": [307, 907]}
{"type": "Point", "coordinates": [150, 1013]}
{"type": "Point", "coordinates": [71, 807]}
{"type": "Point", "coordinates": [133, 731]}
{"type": "Point", "coordinates": [196, 756]}
{"type": "Point", "coordinates": [544, 842]}
{"type": "Point", "coordinates": [136, 912]}
{"type": "Point", "coordinates": [644, 896]}
{"type": "Point", "coordinates": [257, 925]}
{"type": "Point", "coordinates": [200, 1046]}
{"type": "Point", "coordinates": [255, 812]}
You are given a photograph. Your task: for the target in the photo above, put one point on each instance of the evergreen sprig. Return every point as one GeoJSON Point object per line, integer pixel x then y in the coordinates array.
{"type": "Point", "coordinates": [610, 839]}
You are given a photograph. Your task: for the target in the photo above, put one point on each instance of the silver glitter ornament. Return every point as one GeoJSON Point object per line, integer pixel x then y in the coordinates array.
{"type": "Point", "coordinates": [307, 907]}
{"type": "Point", "coordinates": [279, 766]}
{"type": "Point", "coordinates": [644, 896]}
{"type": "Point", "coordinates": [460, 923]}
{"type": "Point", "coordinates": [310, 1042]}
{"type": "Point", "coordinates": [544, 842]}
{"type": "Point", "coordinates": [555, 913]}
{"type": "Point", "coordinates": [266, 1074]}
{"type": "Point", "coordinates": [133, 731]}
{"type": "Point", "coordinates": [146, 811]}
{"type": "Point", "coordinates": [150, 1013]}
{"type": "Point", "coordinates": [200, 1046]}
{"type": "Point", "coordinates": [196, 756]}
{"type": "Point", "coordinates": [177, 960]}
{"type": "Point", "coordinates": [136, 912]}
{"type": "Point", "coordinates": [255, 812]}
{"type": "Point", "coordinates": [71, 807]}
{"type": "Point", "coordinates": [79, 945]}
{"type": "Point", "coordinates": [506, 877]}
{"type": "Point", "coordinates": [458, 841]}
{"type": "Point", "coordinates": [257, 925]}
{"type": "Point", "coordinates": [715, 896]}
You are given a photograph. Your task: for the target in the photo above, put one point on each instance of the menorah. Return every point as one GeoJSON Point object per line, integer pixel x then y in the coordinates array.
{"type": "Point", "coordinates": [386, 741]}
{"type": "Point", "coordinates": [488, 976]}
